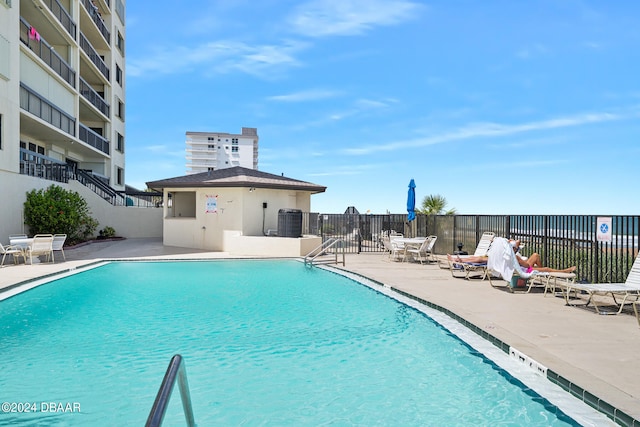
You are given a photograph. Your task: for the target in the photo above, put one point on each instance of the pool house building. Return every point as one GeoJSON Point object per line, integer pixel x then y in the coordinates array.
{"type": "Point", "coordinates": [237, 210]}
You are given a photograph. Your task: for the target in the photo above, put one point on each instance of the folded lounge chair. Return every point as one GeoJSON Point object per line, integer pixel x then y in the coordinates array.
{"type": "Point", "coordinates": [621, 293]}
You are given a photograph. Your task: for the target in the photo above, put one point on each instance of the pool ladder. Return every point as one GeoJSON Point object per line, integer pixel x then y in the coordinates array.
{"type": "Point", "coordinates": [326, 253]}
{"type": "Point", "coordinates": [175, 371]}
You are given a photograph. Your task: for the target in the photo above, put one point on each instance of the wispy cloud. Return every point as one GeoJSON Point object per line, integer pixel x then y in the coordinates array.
{"type": "Point", "coordinates": [218, 57]}
{"type": "Point", "coordinates": [532, 51]}
{"type": "Point", "coordinates": [305, 95]}
{"type": "Point", "coordinates": [322, 18]}
{"type": "Point", "coordinates": [480, 130]}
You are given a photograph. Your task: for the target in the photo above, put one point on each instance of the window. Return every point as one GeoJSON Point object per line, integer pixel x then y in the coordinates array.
{"type": "Point", "coordinates": [120, 43]}
{"type": "Point", "coordinates": [120, 111]}
{"type": "Point", "coordinates": [234, 140]}
{"type": "Point", "coordinates": [119, 176]}
{"type": "Point", "coordinates": [118, 75]}
{"type": "Point", "coordinates": [234, 149]}
{"type": "Point", "coordinates": [212, 146]}
{"type": "Point", "coordinates": [1, 131]}
{"type": "Point", "coordinates": [120, 143]}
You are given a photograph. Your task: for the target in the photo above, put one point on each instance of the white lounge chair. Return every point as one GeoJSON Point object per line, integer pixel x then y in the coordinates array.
{"type": "Point", "coordinates": [621, 293]}
{"type": "Point", "coordinates": [503, 262]}
{"type": "Point", "coordinates": [422, 252]}
{"type": "Point", "coordinates": [470, 268]}
{"type": "Point", "coordinates": [42, 245]}
{"type": "Point", "coordinates": [58, 245]}
{"type": "Point", "coordinates": [14, 251]}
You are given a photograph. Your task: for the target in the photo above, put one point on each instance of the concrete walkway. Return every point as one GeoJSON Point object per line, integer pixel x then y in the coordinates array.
{"type": "Point", "coordinates": [600, 354]}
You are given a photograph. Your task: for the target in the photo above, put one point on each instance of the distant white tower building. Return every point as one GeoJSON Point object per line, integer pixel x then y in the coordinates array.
{"type": "Point", "coordinates": [208, 151]}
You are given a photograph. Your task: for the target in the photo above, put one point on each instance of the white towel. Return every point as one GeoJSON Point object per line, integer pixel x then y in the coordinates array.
{"type": "Point", "coordinates": [502, 259]}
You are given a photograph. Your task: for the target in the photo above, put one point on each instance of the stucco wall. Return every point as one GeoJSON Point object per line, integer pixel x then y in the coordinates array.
{"type": "Point", "coordinates": [127, 221]}
{"type": "Point", "coordinates": [239, 212]}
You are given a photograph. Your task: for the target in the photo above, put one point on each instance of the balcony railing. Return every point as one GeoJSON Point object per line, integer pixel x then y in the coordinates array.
{"type": "Point", "coordinates": [94, 139]}
{"type": "Point", "coordinates": [38, 165]}
{"type": "Point", "coordinates": [45, 52]}
{"type": "Point", "coordinates": [63, 16]}
{"type": "Point", "coordinates": [95, 15]}
{"type": "Point", "coordinates": [40, 107]}
{"type": "Point", "coordinates": [93, 97]}
{"type": "Point", "coordinates": [86, 46]}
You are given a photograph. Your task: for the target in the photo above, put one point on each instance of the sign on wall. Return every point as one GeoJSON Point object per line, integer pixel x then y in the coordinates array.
{"type": "Point", "coordinates": [211, 204]}
{"type": "Point", "coordinates": [604, 229]}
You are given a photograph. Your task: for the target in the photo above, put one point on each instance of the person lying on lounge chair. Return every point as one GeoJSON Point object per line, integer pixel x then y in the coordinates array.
{"type": "Point", "coordinates": [533, 262]}
{"type": "Point", "coordinates": [529, 264]}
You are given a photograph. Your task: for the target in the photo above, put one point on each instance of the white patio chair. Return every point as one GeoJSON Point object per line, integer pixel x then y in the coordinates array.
{"type": "Point", "coordinates": [42, 245]}
{"type": "Point", "coordinates": [424, 251]}
{"type": "Point", "coordinates": [58, 245]}
{"type": "Point", "coordinates": [14, 251]}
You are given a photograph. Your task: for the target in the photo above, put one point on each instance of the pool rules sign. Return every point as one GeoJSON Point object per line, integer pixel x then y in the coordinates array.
{"type": "Point", "coordinates": [211, 204]}
{"type": "Point", "coordinates": [603, 233]}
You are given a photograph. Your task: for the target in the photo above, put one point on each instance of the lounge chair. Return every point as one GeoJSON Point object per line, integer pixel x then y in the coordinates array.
{"type": "Point", "coordinates": [14, 251]}
{"type": "Point", "coordinates": [58, 245]}
{"type": "Point", "coordinates": [422, 252]}
{"type": "Point", "coordinates": [470, 268]}
{"type": "Point", "coordinates": [621, 293]}
{"type": "Point", "coordinates": [503, 262]}
{"type": "Point", "coordinates": [42, 245]}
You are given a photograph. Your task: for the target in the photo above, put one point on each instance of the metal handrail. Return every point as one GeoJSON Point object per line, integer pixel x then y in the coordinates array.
{"type": "Point", "coordinates": [176, 370]}
{"type": "Point", "coordinates": [322, 250]}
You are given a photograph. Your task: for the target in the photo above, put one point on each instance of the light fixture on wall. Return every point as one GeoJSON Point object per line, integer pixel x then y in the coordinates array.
{"type": "Point", "coordinates": [252, 189]}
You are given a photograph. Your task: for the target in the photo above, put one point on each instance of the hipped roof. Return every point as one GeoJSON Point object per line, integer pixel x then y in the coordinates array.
{"type": "Point", "coordinates": [236, 176]}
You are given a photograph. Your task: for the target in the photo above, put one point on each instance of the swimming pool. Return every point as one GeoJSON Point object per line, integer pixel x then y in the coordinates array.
{"type": "Point", "coordinates": [265, 343]}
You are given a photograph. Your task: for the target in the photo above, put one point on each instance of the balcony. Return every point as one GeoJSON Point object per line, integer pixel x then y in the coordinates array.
{"type": "Point", "coordinates": [93, 97]}
{"type": "Point", "coordinates": [94, 139]}
{"type": "Point", "coordinates": [63, 16]}
{"type": "Point", "coordinates": [97, 19]}
{"type": "Point", "coordinates": [40, 47]}
{"type": "Point", "coordinates": [86, 46]}
{"type": "Point", "coordinates": [38, 106]}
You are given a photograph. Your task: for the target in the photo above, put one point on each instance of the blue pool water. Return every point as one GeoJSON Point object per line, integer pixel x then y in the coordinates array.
{"type": "Point", "coordinates": [266, 343]}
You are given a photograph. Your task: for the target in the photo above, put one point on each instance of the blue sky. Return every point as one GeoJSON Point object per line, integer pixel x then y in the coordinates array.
{"type": "Point", "coordinates": [500, 106]}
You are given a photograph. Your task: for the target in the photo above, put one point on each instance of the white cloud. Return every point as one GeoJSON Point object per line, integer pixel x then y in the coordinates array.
{"type": "Point", "coordinates": [321, 18]}
{"type": "Point", "coordinates": [306, 95]}
{"type": "Point", "coordinates": [217, 57]}
{"type": "Point", "coordinates": [480, 130]}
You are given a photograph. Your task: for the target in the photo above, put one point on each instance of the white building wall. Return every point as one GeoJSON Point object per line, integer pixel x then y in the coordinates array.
{"type": "Point", "coordinates": [129, 222]}
{"type": "Point", "coordinates": [240, 214]}
{"type": "Point", "coordinates": [213, 150]}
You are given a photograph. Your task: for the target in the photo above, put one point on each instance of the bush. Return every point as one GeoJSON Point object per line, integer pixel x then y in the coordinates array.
{"type": "Point", "coordinates": [58, 211]}
{"type": "Point", "coordinates": [107, 232]}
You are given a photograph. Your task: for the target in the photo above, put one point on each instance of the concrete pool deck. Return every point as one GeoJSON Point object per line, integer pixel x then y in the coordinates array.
{"type": "Point", "coordinates": [598, 353]}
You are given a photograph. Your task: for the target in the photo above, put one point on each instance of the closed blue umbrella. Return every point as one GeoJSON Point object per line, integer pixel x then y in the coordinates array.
{"type": "Point", "coordinates": [411, 201]}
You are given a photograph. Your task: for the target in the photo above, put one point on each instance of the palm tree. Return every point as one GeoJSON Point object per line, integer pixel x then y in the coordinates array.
{"type": "Point", "coordinates": [435, 204]}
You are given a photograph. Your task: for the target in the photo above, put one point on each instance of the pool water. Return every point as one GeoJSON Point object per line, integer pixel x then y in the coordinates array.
{"type": "Point", "coordinates": [266, 343]}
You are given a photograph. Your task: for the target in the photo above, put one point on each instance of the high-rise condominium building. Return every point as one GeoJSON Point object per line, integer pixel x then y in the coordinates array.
{"type": "Point", "coordinates": [62, 90]}
{"type": "Point", "coordinates": [208, 151]}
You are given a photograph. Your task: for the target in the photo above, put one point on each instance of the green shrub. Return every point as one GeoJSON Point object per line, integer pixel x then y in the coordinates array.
{"type": "Point", "coordinates": [108, 232]}
{"type": "Point", "coordinates": [58, 211]}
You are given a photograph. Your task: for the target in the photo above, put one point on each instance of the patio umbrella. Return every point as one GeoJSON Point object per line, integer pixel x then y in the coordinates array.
{"type": "Point", "coordinates": [411, 201]}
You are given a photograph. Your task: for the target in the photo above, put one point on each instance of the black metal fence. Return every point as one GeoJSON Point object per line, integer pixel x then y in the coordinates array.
{"type": "Point", "coordinates": [561, 240]}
